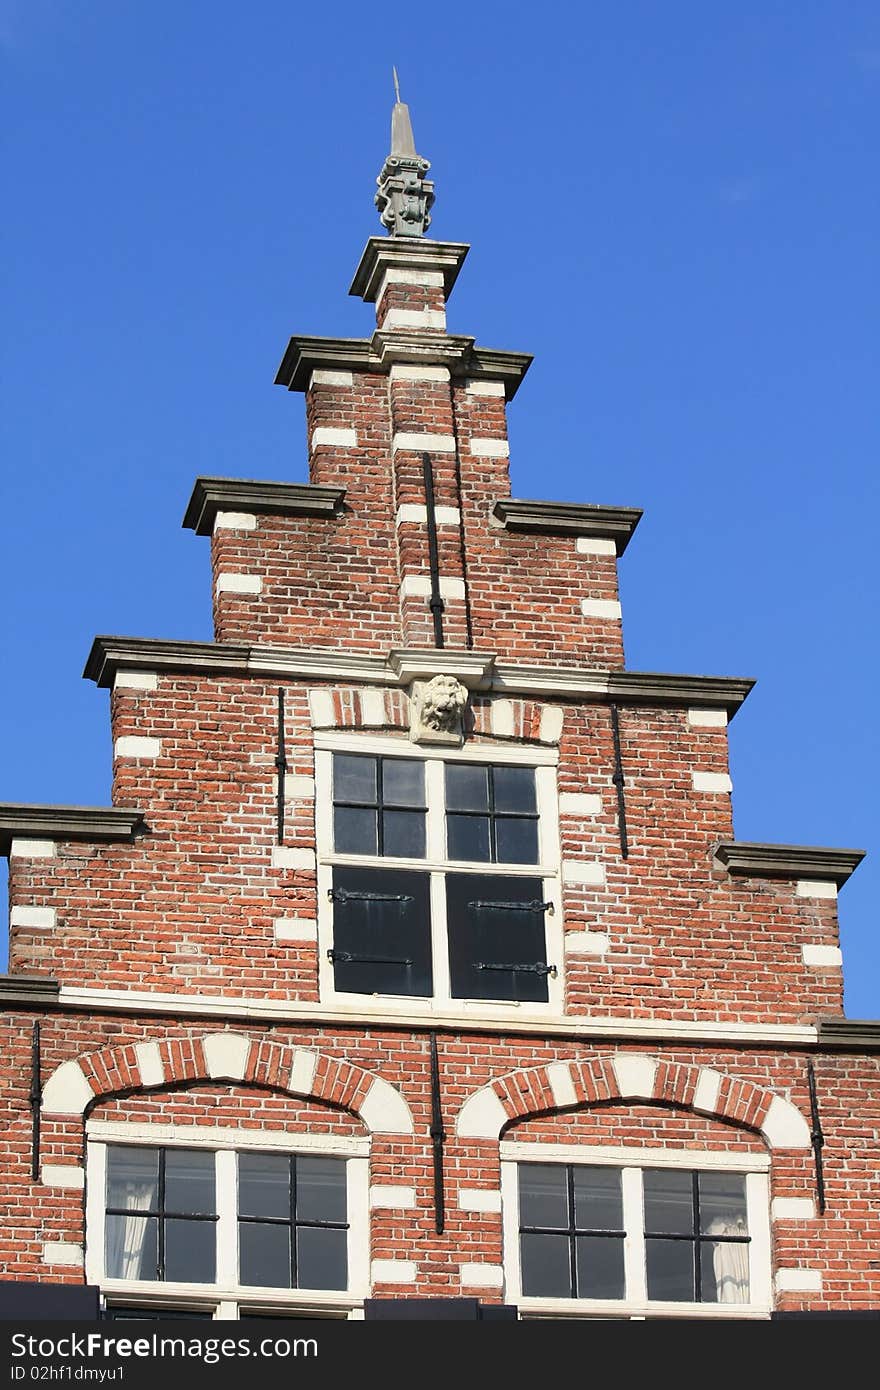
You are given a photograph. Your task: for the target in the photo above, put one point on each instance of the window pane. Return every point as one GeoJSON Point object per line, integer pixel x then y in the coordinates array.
{"type": "Point", "coordinates": [131, 1247]}
{"type": "Point", "coordinates": [600, 1267]}
{"type": "Point", "coordinates": [354, 778]}
{"type": "Point", "coordinates": [403, 782]}
{"type": "Point", "coordinates": [467, 787]}
{"type": "Point", "coordinates": [598, 1199]}
{"type": "Point", "coordinates": [514, 788]}
{"type": "Point", "coordinates": [724, 1271]}
{"type": "Point", "coordinates": [669, 1202]}
{"type": "Point", "coordinates": [264, 1185]}
{"type": "Point", "coordinates": [723, 1204]}
{"type": "Point", "coordinates": [670, 1269]}
{"type": "Point", "coordinates": [546, 1270]}
{"type": "Point", "coordinates": [132, 1178]}
{"type": "Point", "coordinates": [320, 1189]}
{"type": "Point", "coordinates": [403, 834]}
{"type": "Point", "coordinates": [467, 837]}
{"type": "Point", "coordinates": [516, 841]}
{"type": "Point", "coordinates": [321, 1258]}
{"type": "Point", "coordinates": [354, 831]}
{"type": "Point", "coordinates": [264, 1254]}
{"type": "Point", "coordinates": [543, 1195]}
{"type": "Point", "coordinates": [189, 1182]}
{"type": "Point", "coordinates": [190, 1251]}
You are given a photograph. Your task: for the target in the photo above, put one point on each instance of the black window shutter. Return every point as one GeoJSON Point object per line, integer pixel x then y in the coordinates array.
{"type": "Point", "coordinates": [382, 931]}
{"type": "Point", "coordinates": [497, 941]}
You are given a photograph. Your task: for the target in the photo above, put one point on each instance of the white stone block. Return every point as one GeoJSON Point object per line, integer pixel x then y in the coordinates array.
{"type": "Point", "coordinates": [132, 746]}
{"type": "Point", "coordinates": [226, 1055]}
{"type": "Point", "coordinates": [235, 521]}
{"type": "Point", "coordinates": [580, 871]}
{"type": "Point", "coordinates": [62, 1252]}
{"type": "Point", "coordinates": [66, 1175]}
{"type": "Point", "coordinates": [385, 1197]}
{"type": "Point", "coordinates": [404, 275]}
{"type": "Point", "coordinates": [334, 435]}
{"type": "Point", "coordinates": [295, 929]}
{"type": "Point", "coordinates": [302, 1071]}
{"type": "Point", "coordinates": [32, 849]}
{"type": "Point", "coordinates": [579, 804]}
{"type": "Point", "coordinates": [600, 608]}
{"type": "Point", "coordinates": [823, 957]}
{"type": "Point", "coordinates": [410, 442]}
{"type": "Point", "coordinates": [815, 888]}
{"type": "Point", "coordinates": [298, 788]}
{"type": "Point", "coordinates": [550, 729]}
{"type": "Point", "coordinates": [482, 1116]}
{"type": "Point", "coordinates": [373, 707]}
{"type": "Point", "coordinates": [792, 1209]}
{"type": "Point", "coordinates": [384, 1110]}
{"type": "Point", "coordinates": [501, 713]}
{"type": "Point", "coordinates": [67, 1092]}
{"type": "Point", "coordinates": [284, 857]}
{"type": "Point", "coordinates": [32, 917]}
{"type": "Point", "coordinates": [707, 1090]}
{"type": "Point", "coordinates": [635, 1076]}
{"type": "Point", "coordinates": [798, 1281]}
{"type": "Point", "coordinates": [784, 1126]}
{"type": "Point", "coordinates": [149, 1061]}
{"type": "Point", "coordinates": [401, 371]}
{"type": "Point", "coordinates": [229, 583]}
{"type": "Point", "coordinates": [322, 377]}
{"type": "Point", "coordinates": [561, 1084]}
{"type": "Point", "coordinates": [479, 1199]}
{"type": "Point", "coordinates": [479, 1276]}
{"type": "Point", "coordinates": [711, 782]}
{"type": "Point", "coordinates": [414, 318]}
{"type": "Point", "coordinates": [393, 1271]}
{"type": "Point", "coordinates": [477, 386]}
{"type": "Point", "coordinates": [489, 448]}
{"type": "Point", "coordinates": [417, 513]}
{"type": "Point", "coordinates": [135, 680]}
{"type": "Point", "coordinates": [595, 545]}
{"type": "Point", "coordinates": [586, 943]}
{"type": "Point", "coordinates": [419, 586]}
{"type": "Point", "coordinates": [708, 718]}
{"type": "Point", "coordinates": [322, 709]}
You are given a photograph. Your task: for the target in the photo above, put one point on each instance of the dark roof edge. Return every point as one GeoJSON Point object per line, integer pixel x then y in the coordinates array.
{"type": "Point", "coordinates": [858, 1034]}
{"type": "Point", "coordinates": [111, 654]}
{"type": "Point", "coordinates": [569, 518]}
{"type": "Point", "coordinates": [788, 861]}
{"type": "Point", "coordinates": [379, 353]}
{"type": "Point", "coordinates": [20, 821]}
{"type": "Point", "coordinates": [28, 989]}
{"type": "Point", "coordinates": [709, 692]}
{"type": "Point", "coordinates": [213, 495]}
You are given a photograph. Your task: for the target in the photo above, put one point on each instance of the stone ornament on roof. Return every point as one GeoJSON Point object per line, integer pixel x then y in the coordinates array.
{"type": "Point", "coordinates": [405, 197]}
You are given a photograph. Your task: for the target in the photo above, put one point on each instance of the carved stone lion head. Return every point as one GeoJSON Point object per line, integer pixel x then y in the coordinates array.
{"type": "Point", "coordinates": [443, 702]}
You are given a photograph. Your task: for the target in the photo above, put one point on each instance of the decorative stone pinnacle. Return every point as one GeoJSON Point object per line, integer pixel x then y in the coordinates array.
{"type": "Point", "coordinates": [404, 196]}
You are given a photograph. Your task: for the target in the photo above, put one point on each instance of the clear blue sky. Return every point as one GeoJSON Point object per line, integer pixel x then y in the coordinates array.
{"type": "Point", "coordinates": [673, 205]}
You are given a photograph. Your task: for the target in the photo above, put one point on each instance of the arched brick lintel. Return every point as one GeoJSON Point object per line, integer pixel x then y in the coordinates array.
{"type": "Point", "coordinates": [225, 1056]}
{"type": "Point", "coordinates": [628, 1076]}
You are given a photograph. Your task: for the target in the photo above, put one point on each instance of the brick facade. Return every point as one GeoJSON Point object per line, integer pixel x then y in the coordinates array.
{"type": "Point", "coordinates": [177, 960]}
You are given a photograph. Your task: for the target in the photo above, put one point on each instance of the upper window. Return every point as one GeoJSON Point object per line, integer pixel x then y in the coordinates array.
{"type": "Point", "coordinates": [441, 875]}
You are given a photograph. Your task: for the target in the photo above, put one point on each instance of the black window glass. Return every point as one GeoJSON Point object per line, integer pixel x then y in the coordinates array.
{"type": "Point", "coordinates": [190, 1251]}
{"type": "Point", "coordinates": [669, 1202]}
{"type": "Point", "coordinates": [722, 1204]}
{"type": "Point", "coordinates": [403, 782]}
{"type": "Point", "coordinates": [382, 931]}
{"type": "Point", "coordinates": [516, 840]}
{"type": "Point", "coordinates": [264, 1185]}
{"type": "Point", "coordinates": [189, 1182]}
{"type": "Point", "coordinates": [379, 806]}
{"type": "Point", "coordinates": [299, 1238]}
{"type": "Point", "coordinates": [132, 1178]}
{"type": "Point", "coordinates": [546, 1265]}
{"type": "Point", "coordinates": [355, 830]}
{"type": "Point", "coordinates": [177, 1241]}
{"type": "Point", "coordinates": [320, 1189]}
{"type": "Point", "coordinates": [491, 814]}
{"type": "Point", "coordinates": [264, 1254]}
{"type": "Point", "coordinates": [598, 1199]}
{"type": "Point", "coordinates": [467, 838]}
{"type": "Point", "coordinates": [543, 1195]}
{"type": "Point", "coordinates": [600, 1272]}
{"type": "Point", "coordinates": [321, 1258]}
{"type": "Point", "coordinates": [404, 834]}
{"type": "Point", "coordinates": [514, 789]}
{"type": "Point", "coordinates": [496, 935]}
{"type": "Point", "coordinates": [670, 1267]}
{"type": "Point", "coordinates": [131, 1247]}
{"type": "Point", "coordinates": [354, 778]}
{"type": "Point", "coordinates": [467, 787]}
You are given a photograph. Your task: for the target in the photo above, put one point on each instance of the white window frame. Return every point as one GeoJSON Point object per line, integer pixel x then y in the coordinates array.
{"type": "Point", "coordinates": [435, 863]}
{"type": "Point", "coordinates": [632, 1162]}
{"type": "Point", "coordinates": [226, 1297]}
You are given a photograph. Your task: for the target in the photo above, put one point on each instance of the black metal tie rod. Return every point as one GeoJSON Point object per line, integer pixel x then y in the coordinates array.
{"type": "Point", "coordinates": [435, 602]}
{"type": "Point", "coordinates": [438, 1136]}
{"type": "Point", "coordinates": [817, 1138]}
{"type": "Point", "coordinates": [617, 779]}
{"type": "Point", "coordinates": [35, 1097]}
{"type": "Point", "coordinates": [281, 764]}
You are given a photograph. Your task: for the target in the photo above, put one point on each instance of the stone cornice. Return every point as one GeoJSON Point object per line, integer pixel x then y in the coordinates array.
{"type": "Point", "coordinates": [213, 495]}
{"type": "Point", "coordinates": [747, 860]}
{"type": "Point", "coordinates": [66, 823]}
{"type": "Point", "coordinates": [406, 253]}
{"type": "Point", "coordinates": [473, 669]}
{"type": "Point", "coordinates": [378, 354]}
{"type": "Point", "coordinates": [850, 1034]}
{"type": "Point", "coordinates": [27, 989]}
{"type": "Point", "coordinates": [111, 654]}
{"type": "Point", "coordinates": [570, 518]}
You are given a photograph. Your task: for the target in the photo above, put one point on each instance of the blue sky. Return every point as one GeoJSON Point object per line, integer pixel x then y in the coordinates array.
{"type": "Point", "coordinates": [673, 205]}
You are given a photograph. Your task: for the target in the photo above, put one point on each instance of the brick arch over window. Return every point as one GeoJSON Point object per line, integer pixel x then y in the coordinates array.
{"type": "Point", "coordinates": [626, 1076]}
{"type": "Point", "coordinates": [302, 1071]}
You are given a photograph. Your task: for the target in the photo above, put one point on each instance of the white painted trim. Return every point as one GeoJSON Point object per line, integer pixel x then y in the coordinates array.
{"type": "Point", "coordinates": [586, 943]}
{"type": "Point", "coordinates": [32, 849]}
{"type": "Point", "coordinates": [322, 377]}
{"type": "Point", "coordinates": [487, 448]}
{"type": "Point", "coordinates": [417, 512]}
{"type": "Point", "coordinates": [815, 888]}
{"type": "Point", "coordinates": [420, 586]}
{"type": "Point", "coordinates": [225, 1137]}
{"type": "Point", "coordinates": [235, 521]}
{"type": "Point", "coordinates": [478, 386]}
{"type": "Point", "coordinates": [135, 680]}
{"type": "Point", "coordinates": [150, 1066]}
{"type": "Point", "coordinates": [393, 1271]}
{"type": "Point", "coordinates": [36, 917]}
{"type": "Point", "coordinates": [229, 583]}
{"type": "Point", "coordinates": [285, 857]}
{"type": "Point", "coordinates": [413, 442]}
{"type": "Point", "coordinates": [64, 1175]}
{"type": "Point", "coordinates": [482, 1276]}
{"type": "Point", "coordinates": [576, 871]}
{"type": "Point", "coordinates": [823, 957]}
{"type": "Point", "coordinates": [402, 371]}
{"type": "Point", "coordinates": [550, 729]}
{"type": "Point", "coordinates": [595, 545]}
{"type": "Point", "coordinates": [386, 1197]}
{"type": "Point", "coordinates": [798, 1280]}
{"type": "Point", "coordinates": [579, 804]}
{"type": "Point", "coordinates": [601, 608]}
{"type": "Point", "coordinates": [707, 718]}
{"type": "Point", "coordinates": [414, 318]}
{"type": "Point", "coordinates": [711, 782]}
{"type": "Point", "coordinates": [482, 1199]}
{"type": "Point", "coordinates": [336, 436]}
{"type": "Point", "coordinates": [63, 1252]}
{"type": "Point", "coordinates": [295, 929]}
{"type": "Point", "coordinates": [132, 746]}
{"type": "Point", "coordinates": [623, 1155]}
{"type": "Point", "coordinates": [561, 1084]}
{"type": "Point", "coordinates": [793, 1209]}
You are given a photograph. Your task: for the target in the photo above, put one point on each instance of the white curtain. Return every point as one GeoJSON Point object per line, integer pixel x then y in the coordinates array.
{"type": "Point", "coordinates": [730, 1261]}
{"type": "Point", "coordinates": [127, 1235]}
